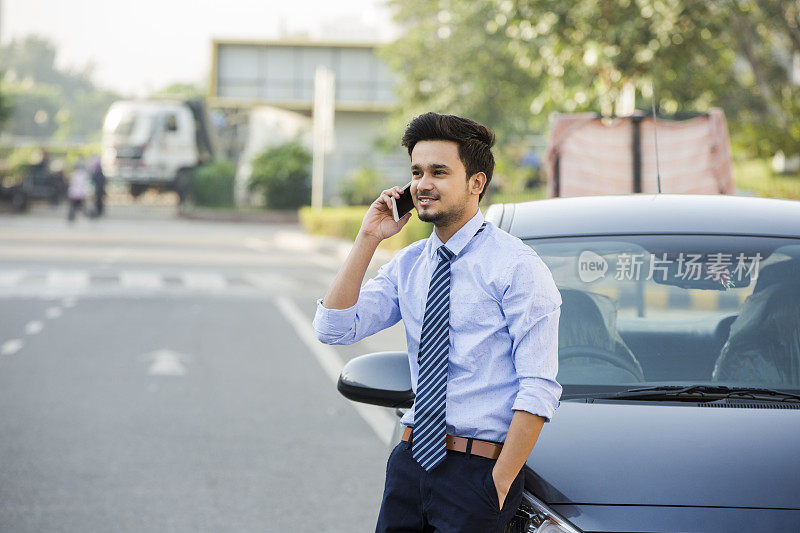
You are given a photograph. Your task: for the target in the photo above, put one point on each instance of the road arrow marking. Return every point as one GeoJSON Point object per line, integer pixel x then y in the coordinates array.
{"type": "Point", "coordinates": [166, 363]}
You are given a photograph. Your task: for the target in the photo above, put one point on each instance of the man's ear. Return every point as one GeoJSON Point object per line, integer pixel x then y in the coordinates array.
{"type": "Point", "coordinates": [477, 182]}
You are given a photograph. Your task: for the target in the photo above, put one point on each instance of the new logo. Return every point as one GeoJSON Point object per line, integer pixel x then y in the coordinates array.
{"type": "Point", "coordinates": [591, 266]}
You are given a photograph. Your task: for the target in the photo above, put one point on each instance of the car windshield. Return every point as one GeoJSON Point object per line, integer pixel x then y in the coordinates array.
{"type": "Point", "coordinates": [676, 310]}
{"type": "Point", "coordinates": [129, 126]}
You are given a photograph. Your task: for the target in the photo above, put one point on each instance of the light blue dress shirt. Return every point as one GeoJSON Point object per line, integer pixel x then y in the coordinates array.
{"type": "Point", "coordinates": [504, 312]}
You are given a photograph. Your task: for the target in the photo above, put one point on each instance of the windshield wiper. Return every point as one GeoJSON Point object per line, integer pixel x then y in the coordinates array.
{"type": "Point", "coordinates": [694, 391]}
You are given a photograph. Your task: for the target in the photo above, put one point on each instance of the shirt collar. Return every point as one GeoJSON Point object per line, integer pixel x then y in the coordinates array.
{"type": "Point", "coordinates": [459, 240]}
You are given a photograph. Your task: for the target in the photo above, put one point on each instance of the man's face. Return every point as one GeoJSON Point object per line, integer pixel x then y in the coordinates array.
{"type": "Point", "coordinates": [439, 183]}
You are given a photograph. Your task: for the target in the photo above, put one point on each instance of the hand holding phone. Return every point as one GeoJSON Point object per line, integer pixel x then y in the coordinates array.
{"type": "Point", "coordinates": [403, 204]}
{"type": "Point", "coordinates": [385, 217]}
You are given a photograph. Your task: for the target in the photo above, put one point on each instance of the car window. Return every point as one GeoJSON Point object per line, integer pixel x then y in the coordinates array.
{"type": "Point", "coordinates": [677, 309]}
{"type": "Point", "coordinates": [131, 127]}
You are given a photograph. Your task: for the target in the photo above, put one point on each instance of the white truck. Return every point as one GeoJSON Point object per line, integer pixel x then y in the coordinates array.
{"type": "Point", "coordinates": [155, 144]}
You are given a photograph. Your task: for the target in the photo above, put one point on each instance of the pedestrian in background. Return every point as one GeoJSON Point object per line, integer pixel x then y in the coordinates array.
{"type": "Point", "coordinates": [78, 189]}
{"type": "Point", "coordinates": [99, 181]}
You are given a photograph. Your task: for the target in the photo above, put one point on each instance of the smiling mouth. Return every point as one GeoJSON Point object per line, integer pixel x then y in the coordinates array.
{"type": "Point", "coordinates": [426, 201]}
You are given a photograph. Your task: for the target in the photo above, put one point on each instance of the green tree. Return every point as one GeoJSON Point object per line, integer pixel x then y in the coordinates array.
{"type": "Point", "coordinates": [6, 109]}
{"type": "Point", "coordinates": [282, 175]}
{"type": "Point", "coordinates": [448, 62]}
{"type": "Point", "coordinates": [183, 91]}
{"type": "Point", "coordinates": [766, 35]}
{"type": "Point", "coordinates": [35, 109]}
{"type": "Point", "coordinates": [510, 63]}
{"type": "Point", "coordinates": [49, 101]}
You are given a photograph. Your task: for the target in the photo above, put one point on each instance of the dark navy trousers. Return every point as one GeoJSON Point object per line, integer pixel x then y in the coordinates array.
{"type": "Point", "coordinates": [458, 496]}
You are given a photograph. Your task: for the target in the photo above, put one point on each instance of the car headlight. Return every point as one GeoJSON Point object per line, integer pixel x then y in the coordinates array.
{"type": "Point", "coordinates": [534, 516]}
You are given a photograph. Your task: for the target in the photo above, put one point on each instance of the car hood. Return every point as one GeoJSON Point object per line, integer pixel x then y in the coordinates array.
{"type": "Point", "coordinates": [648, 453]}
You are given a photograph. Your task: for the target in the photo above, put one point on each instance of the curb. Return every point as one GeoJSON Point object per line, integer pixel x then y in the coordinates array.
{"type": "Point", "coordinates": [336, 247]}
{"type": "Point", "coordinates": [269, 217]}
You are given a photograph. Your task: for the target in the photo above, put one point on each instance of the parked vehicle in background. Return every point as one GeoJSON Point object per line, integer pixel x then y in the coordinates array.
{"type": "Point", "coordinates": [155, 144]}
{"type": "Point", "coordinates": [40, 182]}
{"type": "Point", "coordinates": [679, 356]}
{"type": "Point", "coordinates": [13, 194]}
{"type": "Point", "coordinates": [34, 181]}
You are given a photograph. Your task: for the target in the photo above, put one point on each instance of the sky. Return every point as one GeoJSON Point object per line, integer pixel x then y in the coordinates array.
{"type": "Point", "coordinates": [139, 47]}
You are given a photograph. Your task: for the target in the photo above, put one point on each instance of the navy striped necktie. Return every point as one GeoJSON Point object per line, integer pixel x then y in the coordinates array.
{"type": "Point", "coordinates": [429, 446]}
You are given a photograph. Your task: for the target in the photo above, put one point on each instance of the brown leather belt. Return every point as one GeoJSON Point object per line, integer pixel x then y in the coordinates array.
{"type": "Point", "coordinates": [484, 448]}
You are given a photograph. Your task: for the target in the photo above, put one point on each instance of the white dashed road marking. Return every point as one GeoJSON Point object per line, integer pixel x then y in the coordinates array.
{"type": "Point", "coordinates": [33, 327]}
{"type": "Point", "coordinates": [11, 346]}
{"type": "Point", "coordinates": [379, 420]}
{"type": "Point", "coordinates": [53, 312]}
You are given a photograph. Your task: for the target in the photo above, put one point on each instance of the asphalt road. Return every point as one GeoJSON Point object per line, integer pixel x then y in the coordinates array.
{"type": "Point", "coordinates": [158, 374]}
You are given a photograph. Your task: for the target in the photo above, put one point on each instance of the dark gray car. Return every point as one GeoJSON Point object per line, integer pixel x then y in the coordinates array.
{"type": "Point", "coordinates": [679, 356]}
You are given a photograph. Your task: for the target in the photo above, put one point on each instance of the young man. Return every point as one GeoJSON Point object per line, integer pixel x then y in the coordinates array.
{"type": "Point", "coordinates": [481, 314]}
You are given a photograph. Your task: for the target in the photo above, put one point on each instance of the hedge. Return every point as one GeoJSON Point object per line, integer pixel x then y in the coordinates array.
{"type": "Point", "coordinates": [213, 184]}
{"type": "Point", "coordinates": [345, 222]}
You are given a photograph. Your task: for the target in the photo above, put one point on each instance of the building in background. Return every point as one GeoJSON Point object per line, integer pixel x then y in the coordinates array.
{"type": "Point", "coordinates": [277, 78]}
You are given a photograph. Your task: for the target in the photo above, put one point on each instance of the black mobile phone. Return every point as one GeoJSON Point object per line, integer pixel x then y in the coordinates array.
{"type": "Point", "coordinates": [403, 204]}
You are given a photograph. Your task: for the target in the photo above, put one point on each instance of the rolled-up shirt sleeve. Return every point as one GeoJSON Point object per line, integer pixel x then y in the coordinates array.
{"type": "Point", "coordinates": [532, 307]}
{"type": "Point", "coordinates": [377, 308]}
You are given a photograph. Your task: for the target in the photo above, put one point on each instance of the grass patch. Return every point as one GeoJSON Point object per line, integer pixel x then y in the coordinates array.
{"type": "Point", "coordinates": [756, 177]}
{"type": "Point", "coordinates": [537, 193]}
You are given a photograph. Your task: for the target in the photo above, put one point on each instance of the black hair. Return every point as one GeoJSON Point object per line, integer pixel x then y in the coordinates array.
{"type": "Point", "coordinates": [474, 141]}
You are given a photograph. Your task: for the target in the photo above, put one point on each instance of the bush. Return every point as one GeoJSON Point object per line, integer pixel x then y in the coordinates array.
{"type": "Point", "coordinates": [213, 184]}
{"type": "Point", "coordinates": [282, 174]}
{"type": "Point", "coordinates": [362, 187]}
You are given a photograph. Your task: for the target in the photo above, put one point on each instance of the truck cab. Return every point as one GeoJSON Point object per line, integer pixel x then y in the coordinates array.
{"type": "Point", "coordinates": [154, 143]}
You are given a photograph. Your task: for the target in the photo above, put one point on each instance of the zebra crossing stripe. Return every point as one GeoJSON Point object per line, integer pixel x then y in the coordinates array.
{"type": "Point", "coordinates": [73, 279]}
{"type": "Point", "coordinates": [204, 280]}
{"type": "Point", "coordinates": [270, 281]}
{"type": "Point", "coordinates": [148, 280]}
{"type": "Point", "coordinates": [134, 279]}
{"type": "Point", "coordinates": [9, 278]}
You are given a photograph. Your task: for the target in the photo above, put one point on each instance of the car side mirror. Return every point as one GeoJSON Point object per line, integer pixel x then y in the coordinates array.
{"type": "Point", "coordinates": [381, 378]}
